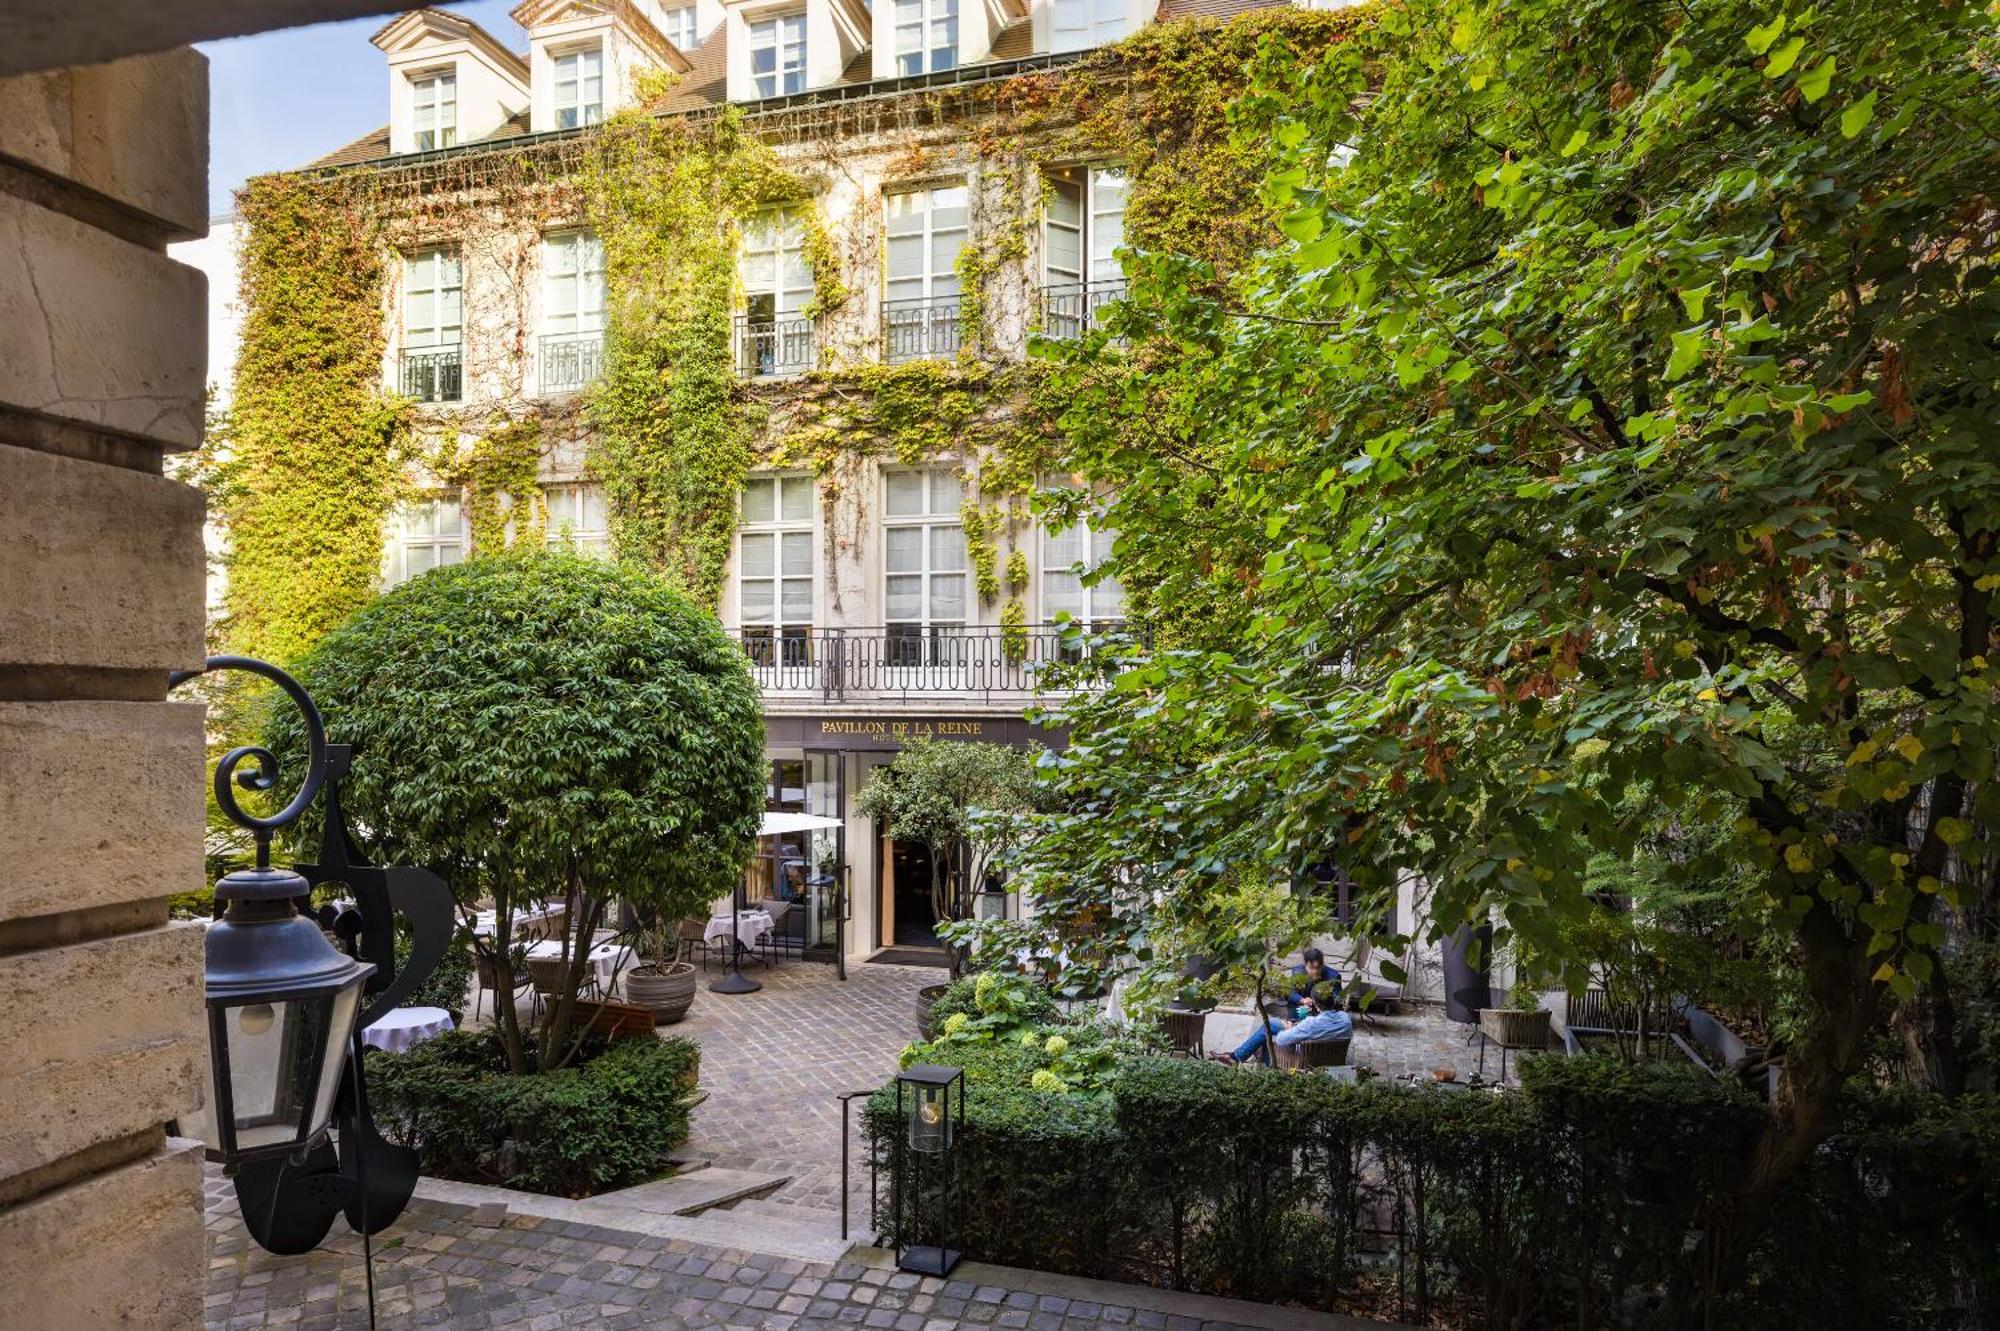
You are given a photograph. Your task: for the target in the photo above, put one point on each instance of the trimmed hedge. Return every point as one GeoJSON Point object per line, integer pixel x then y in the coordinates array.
{"type": "Point", "coordinates": [1587, 1198]}
{"type": "Point", "coordinates": [608, 1120]}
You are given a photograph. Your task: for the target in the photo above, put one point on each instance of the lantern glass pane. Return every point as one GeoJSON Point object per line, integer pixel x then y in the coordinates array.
{"type": "Point", "coordinates": [275, 1050]}
{"type": "Point", "coordinates": [339, 1032]}
{"type": "Point", "coordinates": [930, 1119]}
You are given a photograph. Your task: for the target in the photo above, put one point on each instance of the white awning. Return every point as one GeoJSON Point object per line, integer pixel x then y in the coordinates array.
{"type": "Point", "coordinates": [783, 824]}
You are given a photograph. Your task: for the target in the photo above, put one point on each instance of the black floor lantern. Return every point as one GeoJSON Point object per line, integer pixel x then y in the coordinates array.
{"type": "Point", "coordinates": [928, 1160]}
{"type": "Point", "coordinates": [286, 1006]}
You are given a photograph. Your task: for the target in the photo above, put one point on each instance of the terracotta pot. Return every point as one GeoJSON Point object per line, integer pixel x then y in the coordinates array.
{"type": "Point", "coordinates": [927, 998]}
{"type": "Point", "coordinates": [665, 987]}
{"type": "Point", "coordinates": [1515, 1028]}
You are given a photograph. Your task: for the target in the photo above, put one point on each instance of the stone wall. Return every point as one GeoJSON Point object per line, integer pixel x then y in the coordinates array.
{"type": "Point", "coordinates": [101, 567]}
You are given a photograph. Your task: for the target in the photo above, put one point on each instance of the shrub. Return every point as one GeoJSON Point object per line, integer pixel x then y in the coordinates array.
{"type": "Point", "coordinates": [609, 1119]}
{"type": "Point", "coordinates": [448, 984]}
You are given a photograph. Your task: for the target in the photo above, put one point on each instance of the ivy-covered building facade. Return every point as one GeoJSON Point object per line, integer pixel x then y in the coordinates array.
{"type": "Point", "coordinates": [764, 296]}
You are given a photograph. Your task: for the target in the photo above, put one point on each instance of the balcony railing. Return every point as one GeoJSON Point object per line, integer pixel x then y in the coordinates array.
{"type": "Point", "coordinates": [1070, 309]}
{"type": "Point", "coordinates": [766, 348]}
{"type": "Point", "coordinates": [432, 374]}
{"type": "Point", "coordinates": [570, 360]}
{"type": "Point", "coordinates": [920, 328]}
{"type": "Point", "coordinates": [914, 659]}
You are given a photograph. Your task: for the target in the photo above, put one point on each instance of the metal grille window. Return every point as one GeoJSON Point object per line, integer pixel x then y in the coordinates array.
{"type": "Point", "coordinates": [579, 90]}
{"type": "Point", "coordinates": [679, 26]}
{"type": "Point", "coordinates": [1076, 25]}
{"type": "Point", "coordinates": [926, 230]}
{"type": "Point", "coordinates": [926, 36]}
{"type": "Point", "coordinates": [579, 517]}
{"type": "Point", "coordinates": [1083, 226]}
{"type": "Point", "coordinates": [776, 335]}
{"type": "Point", "coordinates": [774, 568]}
{"type": "Point", "coordinates": [778, 55]}
{"type": "Point", "coordinates": [1068, 555]}
{"type": "Point", "coordinates": [434, 111]}
{"type": "Point", "coordinates": [924, 563]}
{"type": "Point", "coordinates": [430, 534]}
{"type": "Point", "coordinates": [572, 347]}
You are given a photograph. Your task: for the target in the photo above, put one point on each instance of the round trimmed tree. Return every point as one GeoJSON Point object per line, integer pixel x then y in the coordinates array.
{"type": "Point", "coordinates": [545, 725]}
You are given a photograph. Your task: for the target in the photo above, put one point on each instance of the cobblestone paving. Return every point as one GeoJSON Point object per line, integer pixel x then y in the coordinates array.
{"type": "Point", "coordinates": [773, 1062]}
{"type": "Point", "coordinates": [435, 1267]}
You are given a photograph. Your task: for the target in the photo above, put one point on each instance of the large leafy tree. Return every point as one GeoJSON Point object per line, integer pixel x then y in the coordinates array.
{"type": "Point", "coordinates": [1618, 415]}
{"type": "Point", "coordinates": [545, 725]}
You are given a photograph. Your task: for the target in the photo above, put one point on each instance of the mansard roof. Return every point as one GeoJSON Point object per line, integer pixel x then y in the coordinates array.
{"type": "Point", "coordinates": [418, 27]}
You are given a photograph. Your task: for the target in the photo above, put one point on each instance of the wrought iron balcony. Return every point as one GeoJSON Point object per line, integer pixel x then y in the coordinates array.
{"type": "Point", "coordinates": [768, 348]}
{"type": "Point", "coordinates": [907, 660]}
{"type": "Point", "coordinates": [431, 374]}
{"type": "Point", "coordinates": [569, 361]}
{"type": "Point", "coordinates": [1070, 309]}
{"type": "Point", "coordinates": [921, 328]}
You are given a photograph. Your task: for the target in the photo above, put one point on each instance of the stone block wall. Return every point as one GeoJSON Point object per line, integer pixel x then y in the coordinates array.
{"type": "Point", "coordinates": [102, 345]}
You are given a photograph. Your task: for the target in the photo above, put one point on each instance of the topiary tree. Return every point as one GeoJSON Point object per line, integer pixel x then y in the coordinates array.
{"type": "Point", "coordinates": [544, 725]}
{"type": "Point", "coordinates": [963, 802]}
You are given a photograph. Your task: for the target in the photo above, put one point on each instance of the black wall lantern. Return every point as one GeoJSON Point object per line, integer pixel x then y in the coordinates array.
{"type": "Point", "coordinates": [286, 1113]}
{"type": "Point", "coordinates": [930, 1103]}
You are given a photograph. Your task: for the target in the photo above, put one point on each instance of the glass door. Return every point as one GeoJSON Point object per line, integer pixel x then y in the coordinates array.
{"type": "Point", "coordinates": [825, 849]}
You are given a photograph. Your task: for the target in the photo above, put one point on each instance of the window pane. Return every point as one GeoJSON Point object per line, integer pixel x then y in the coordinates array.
{"type": "Point", "coordinates": [905, 599]}
{"type": "Point", "coordinates": [906, 257]}
{"type": "Point", "coordinates": [759, 555]}
{"type": "Point", "coordinates": [757, 605]}
{"type": "Point", "coordinates": [1108, 600]}
{"type": "Point", "coordinates": [905, 552]}
{"type": "Point", "coordinates": [796, 553]}
{"type": "Point", "coordinates": [906, 493]}
{"type": "Point", "coordinates": [948, 599]}
{"type": "Point", "coordinates": [758, 504]}
{"type": "Point", "coordinates": [948, 548]}
{"type": "Point", "coordinates": [1100, 546]}
{"type": "Point", "coordinates": [1061, 549]}
{"type": "Point", "coordinates": [798, 498]}
{"type": "Point", "coordinates": [798, 601]}
{"type": "Point", "coordinates": [1062, 593]}
{"type": "Point", "coordinates": [946, 492]}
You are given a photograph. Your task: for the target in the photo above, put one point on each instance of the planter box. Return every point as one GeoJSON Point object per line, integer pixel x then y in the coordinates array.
{"type": "Point", "coordinates": [667, 988]}
{"type": "Point", "coordinates": [927, 998]}
{"type": "Point", "coordinates": [613, 1020]}
{"type": "Point", "coordinates": [1515, 1028]}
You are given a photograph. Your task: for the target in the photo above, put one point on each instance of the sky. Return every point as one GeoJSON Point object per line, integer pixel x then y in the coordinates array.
{"type": "Point", "coordinates": [281, 99]}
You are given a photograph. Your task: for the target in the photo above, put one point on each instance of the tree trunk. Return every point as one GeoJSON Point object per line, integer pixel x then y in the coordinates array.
{"type": "Point", "coordinates": [1930, 1032]}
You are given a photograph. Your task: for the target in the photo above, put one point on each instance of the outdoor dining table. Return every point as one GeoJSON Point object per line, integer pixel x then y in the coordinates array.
{"type": "Point", "coordinates": [606, 959]}
{"type": "Point", "coordinates": [405, 1028]}
{"type": "Point", "coordinates": [749, 926]}
{"type": "Point", "coordinates": [484, 922]}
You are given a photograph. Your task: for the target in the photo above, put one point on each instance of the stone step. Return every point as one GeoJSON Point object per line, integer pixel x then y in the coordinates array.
{"type": "Point", "coordinates": [785, 1212]}
{"type": "Point", "coordinates": [695, 1191]}
{"type": "Point", "coordinates": [814, 1236]}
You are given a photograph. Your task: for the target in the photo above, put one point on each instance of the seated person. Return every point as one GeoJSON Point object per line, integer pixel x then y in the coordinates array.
{"type": "Point", "coordinates": [1324, 1020]}
{"type": "Point", "coordinates": [1311, 972]}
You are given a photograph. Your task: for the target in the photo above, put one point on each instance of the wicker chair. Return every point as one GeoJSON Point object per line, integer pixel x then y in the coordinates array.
{"type": "Point", "coordinates": [1184, 1031]}
{"type": "Point", "coordinates": [489, 979]}
{"type": "Point", "coordinates": [1306, 1055]}
{"type": "Point", "coordinates": [691, 938]}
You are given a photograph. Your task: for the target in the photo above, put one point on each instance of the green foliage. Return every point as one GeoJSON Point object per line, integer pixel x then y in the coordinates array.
{"type": "Point", "coordinates": [449, 983]}
{"type": "Point", "coordinates": [308, 453]}
{"type": "Point", "coordinates": [540, 725]}
{"type": "Point", "coordinates": [609, 1120]}
{"type": "Point", "coordinates": [499, 475]}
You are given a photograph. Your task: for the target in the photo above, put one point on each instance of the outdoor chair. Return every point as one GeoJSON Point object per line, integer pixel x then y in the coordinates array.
{"type": "Point", "coordinates": [690, 939]}
{"type": "Point", "coordinates": [1309, 1054]}
{"type": "Point", "coordinates": [488, 978]}
{"type": "Point", "coordinates": [788, 927]}
{"type": "Point", "coordinates": [1184, 1031]}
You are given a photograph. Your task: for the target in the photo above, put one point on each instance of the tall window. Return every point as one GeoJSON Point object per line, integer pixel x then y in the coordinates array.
{"type": "Point", "coordinates": [680, 28]}
{"type": "Point", "coordinates": [924, 588]}
{"type": "Point", "coordinates": [778, 55]}
{"type": "Point", "coordinates": [434, 111]}
{"type": "Point", "coordinates": [1075, 25]}
{"type": "Point", "coordinates": [1083, 224]}
{"type": "Point", "coordinates": [777, 287]}
{"type": "Point", "coordinates": [572, 283]}
{"type": "Point", "coordinates": [578, 517]}
{"type": "Point", "coordinates": [1069, 554]}
{"type": "Point", "coordinates": [774, 568]}
{"type": "Point", "coordinates": [430, 534]}
{"type": "Point", "coordinates": [433, 315]}
{"type": "Point", "coordinates": [926, 231]}
{"type": "Point", "coordinates": [579, 88]}
{"type": "Point", "coordinates": [926, 35]}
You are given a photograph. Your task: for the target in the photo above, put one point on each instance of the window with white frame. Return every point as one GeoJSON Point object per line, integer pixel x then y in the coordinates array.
{"type": "Point", "coordinates": [1068, 557]}
{"type": "Point", "coordinates": [924, 564]}
{"type": "Point", "coordinates": [434, 111]}
{"type": "Point", "coordinates": [1076, 25]}
{"type": "Point", "coordinates": [679, 26]}
{"type": "Point", "coordinates": [926, 36]}
{"type": "Point", "coordinates": [579, 517]}
{"type": "Point", "coordinates": [777, 288]}
{"type": "Point", "coordinates": [430, 533]}
{"type": "Point", "coordinates": [579, 90]}
{"type": "Point", "coordinates": [572, 347]}
{"type": "Point", "coordinates": [774, 568]}
{"type": "Point", "coordinates": [926, 230]}
{"type": "Point", "coordinates": [778, 55]}
{"type": "Point", "coordinates": [1083, 225]}
{"type": "Point", "coordinates": [433, 298]}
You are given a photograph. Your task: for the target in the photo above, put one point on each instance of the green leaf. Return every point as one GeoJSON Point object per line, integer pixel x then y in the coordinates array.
{"type": "Point", "coordinates": [1693, 298]}
{"type": "Point", "coordinates": [1814, 83]}
{"type": "Point", "coordinates": [1759, 38]}
{"type": "Point", "coordinates": [1784, 58]}
{"type": "Point", "coordinates": [1953, 831]}
{"type": "Point", "coordinates": [1577, 141]}
{"type": "Point", "coordinates": [1687, 351]}
{"type": "Point", "coordinates": [1856, 117]}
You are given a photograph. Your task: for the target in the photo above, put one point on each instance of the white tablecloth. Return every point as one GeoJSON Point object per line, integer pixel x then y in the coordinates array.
{"type": "Point", "coordinates": [606, 958]}
{"type": "Point", "coordinates": [406, 1027]}
{"type": "Point", "coordinates": [751, 925]}
{"type": "Point", "coordinates": [525, 918]}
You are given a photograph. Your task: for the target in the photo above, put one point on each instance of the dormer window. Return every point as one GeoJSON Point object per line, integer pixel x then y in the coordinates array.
{"type": "Point", "coordinates": [778, 55]}
{"type": "Point", "coordinates": [926, 36]}
{"type": "Point", "coordinates": [434, 111]}
{"type": "Point", "coordinates": [1077, 25]}
{"type": "Point", "coordinates": [579, 95]}
{"type": "Point", "coordinates": [679, 27]}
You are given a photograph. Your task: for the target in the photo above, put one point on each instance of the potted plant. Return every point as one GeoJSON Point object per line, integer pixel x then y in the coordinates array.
{"type": "Point", "coordinates": [1523, 1023]}
{"type": "Point", "coordinates": [661, 983]}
